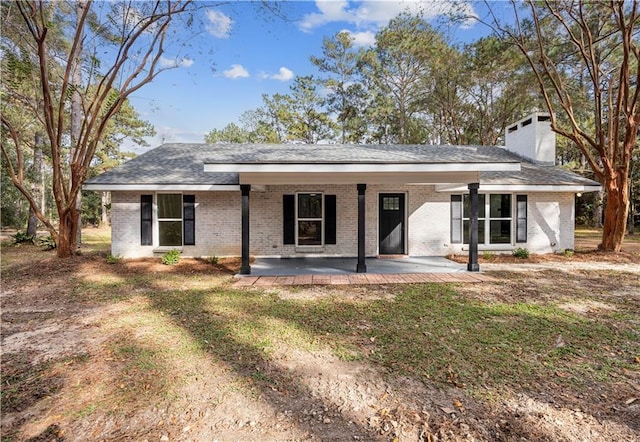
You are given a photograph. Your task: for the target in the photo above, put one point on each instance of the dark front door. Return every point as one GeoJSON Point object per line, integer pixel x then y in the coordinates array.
{"type": "Point", "coordinates": [391, 219]}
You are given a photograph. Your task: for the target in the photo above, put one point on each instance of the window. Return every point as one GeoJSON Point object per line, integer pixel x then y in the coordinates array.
{"type": "Point", "coordinates": [466, 215]}
{"type": "Point", "coordinates": [175, 219]}
{"type": "Point", "coordinates": [495, 219]}
{"type": "Point", "coordinates": [499, 219]}
{"type": "Point", "coordinates": [309, 221]}
{"type": "Point", "coordinates": [391, 203]}
{"type": "Point", "coordinates": [169, 219]}
{"type": "Point", "coordinates": [290, 218]}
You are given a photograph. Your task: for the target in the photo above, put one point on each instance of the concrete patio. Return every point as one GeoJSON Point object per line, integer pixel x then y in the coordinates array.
{"type": "Point", "coordinates": [340, 271]}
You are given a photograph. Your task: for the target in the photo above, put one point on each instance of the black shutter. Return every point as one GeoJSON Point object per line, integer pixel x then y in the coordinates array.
{"type": "Point", "coordinates": [521, 218]}
{"type": "Point", "coordinates": [189, 219]}
{"type": "Point", "coordinates": [329, 219]}
{"type": "Point", "coordinates": [456, 219]}
{"type": "Point", "coordinates": [146, 220]}
{"type": "Point", "coordinates": [288, 219]}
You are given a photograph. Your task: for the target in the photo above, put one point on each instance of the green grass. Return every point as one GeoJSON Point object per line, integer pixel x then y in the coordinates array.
{"type": "Point", "coordinates": [427, 331]}
{"type": "Point", "coordinates": [171, 320]}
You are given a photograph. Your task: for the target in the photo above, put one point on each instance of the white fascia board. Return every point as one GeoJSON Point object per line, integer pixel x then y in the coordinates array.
{"type": "Point", "coordinates": [264, 178]}
{"type": "Point", "coordinates": [521, 188]}
{"type": "Point", "coordinates": [360, 167]}
{"type": "Point", "coordinates": [160, 187]}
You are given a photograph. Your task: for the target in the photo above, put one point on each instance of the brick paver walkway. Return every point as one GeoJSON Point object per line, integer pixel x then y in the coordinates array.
{"type": "Point", "coordinates": [361, 278]}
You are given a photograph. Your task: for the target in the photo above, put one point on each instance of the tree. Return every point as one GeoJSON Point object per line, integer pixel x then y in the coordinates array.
{"type": "Point", "coordinates": [397, 73]}
{"type": "Point", "coordinates": [131, 37]}
{"type": "Point", "coordinates": [256, 122]}
{"type": "Point", "coordinates": [125, 125]}
{"type": "Point", "coordinates": [346, 93]}
{"type": "Point", "coordinates": [498, 89]}
{"type": "Point", "coordinates": [304, 116]}
{"type": "Point", "coordinates": [231, 133]}
{"type": "Point", "coordinates": [273, 116]}
{"type": "Point", "coordinates": [586, 60]}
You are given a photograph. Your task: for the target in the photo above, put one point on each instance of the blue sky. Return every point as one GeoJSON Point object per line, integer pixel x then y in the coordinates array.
{"type": "Point", "coordinates": [242, 52]}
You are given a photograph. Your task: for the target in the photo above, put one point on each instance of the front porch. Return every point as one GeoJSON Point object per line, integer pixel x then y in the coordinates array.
{"type": "Point", "coordinates": [314, 220]}
{"type": "Point", "coordinates": [346, 266]}
{"type": "Point", "coordinates": [268, 272]}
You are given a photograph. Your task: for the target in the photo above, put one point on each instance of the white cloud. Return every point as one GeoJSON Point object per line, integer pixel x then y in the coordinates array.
{"type": "Point", "coordinates": [365, 38]}
{"type": "Point", "coordinates": [219, 24]}
{"type": "Point", "coordinates": [236, 71]}
{"type": "Point", "coordinates": [186, 63]}
{"type": "Point", "coordinates": [284, 74]}
{"type": "Point", "coordinates": [378, 13]}
{"type": "Point", "coordinates": [174, 63]}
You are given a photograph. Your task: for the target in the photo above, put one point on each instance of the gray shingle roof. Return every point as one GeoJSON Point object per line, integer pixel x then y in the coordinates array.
{"type": "Point", "coordinates": [536, 175]}
{"type": "Point", "coordinates": [183, 163]}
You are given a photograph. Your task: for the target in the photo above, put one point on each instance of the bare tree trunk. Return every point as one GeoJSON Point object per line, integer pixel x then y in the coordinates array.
{"type": "Point", "coordinates": [616, 213]}
{"type": "Point", "coordinates": [37, 183]}
{"type": "Point", "coordinates": [76, 118]}
{"type": "Point", "coordinates": [631, 227]}
{"type": "Point", "coordinates": [598, 209]}
{"type": "Point", "coordinates": [67, 232]}
{"type": "Point", "coordinates": [106, 204]}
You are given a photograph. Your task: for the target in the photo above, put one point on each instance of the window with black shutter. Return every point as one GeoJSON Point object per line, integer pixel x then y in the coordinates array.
{"type": "Point", "coordinates": [289, 219]}
{"type": "Point", "coordinates": [456, 219]}
{"type": "Point", "coordinates": [521, 218]}
{"type": "Point", "coordinates": [189, 219]}
{"type": "Point", "coordinates": [330, 219]}
{"type": "Point", "coordinates": [146, 220]}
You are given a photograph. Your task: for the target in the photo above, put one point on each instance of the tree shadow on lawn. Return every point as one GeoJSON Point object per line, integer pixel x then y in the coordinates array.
{"type": "Point", "coordinates": [428, 333]}
{"type": "Point", "coordinates": [217, 332]}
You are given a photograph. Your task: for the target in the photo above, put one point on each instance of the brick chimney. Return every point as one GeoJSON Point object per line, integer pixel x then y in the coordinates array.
{"type": "Point", "coordinates": [532, 138]}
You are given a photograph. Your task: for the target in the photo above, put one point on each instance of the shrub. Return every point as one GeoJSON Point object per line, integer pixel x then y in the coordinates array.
{"type": "Point", "coordinates": [23, 237]}
{"type": "Point", "coordinates": [568, 253]}
{"type": "Point", "coordinates": [521, 253]}
{"type": "Point", "coordinates": [111, 259]}
{"type": "Point", "coordinates": [213, 260]}
{"type": "Point", "coordinates": [47, 243]}
{"type": "Point", "coordinates": [488, 255]}
{"type": "Point", "coordinates": [171, 257]}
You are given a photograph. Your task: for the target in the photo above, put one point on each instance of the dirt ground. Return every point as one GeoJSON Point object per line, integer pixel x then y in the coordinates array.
{"type": "Point", "coordinates": [63, 379]}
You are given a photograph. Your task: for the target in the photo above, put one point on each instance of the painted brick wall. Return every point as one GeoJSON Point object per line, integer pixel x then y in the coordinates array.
{"type": "Point", "coordinates": [217, 225]}
{"type": "Point", "coordinates": [551, 221]}
{"type": "Point", "coordinates": [550, 225]}
{"type": "Point", "coordinates": [266, 220]}
{"type": "Point", "coordinates": [218, 222]}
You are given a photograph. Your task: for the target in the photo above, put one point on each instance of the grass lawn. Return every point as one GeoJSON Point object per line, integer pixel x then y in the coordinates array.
{"type": "Point", "coordinates": [139, 350]}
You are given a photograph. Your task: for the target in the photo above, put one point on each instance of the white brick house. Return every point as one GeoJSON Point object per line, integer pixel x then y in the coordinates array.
{"type": "Point", "coordinates": [345, 200]}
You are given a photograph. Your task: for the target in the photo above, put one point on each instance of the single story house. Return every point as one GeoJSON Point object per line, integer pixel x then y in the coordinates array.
{"type": "Point", "coordinates": [345, 200]}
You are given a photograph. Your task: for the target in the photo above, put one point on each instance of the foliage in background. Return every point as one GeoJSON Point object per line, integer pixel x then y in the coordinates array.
{"type": "Point", "coordinates": [586, 61]}
{"type": "Point", "coordinates": [68, 88]}
{"type": "Point", "coordinates": [412, 86]}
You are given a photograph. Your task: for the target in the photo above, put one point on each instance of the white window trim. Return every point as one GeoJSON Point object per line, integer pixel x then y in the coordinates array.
{"type": "Point", "coordinates": [157, 220]}
{"type": "Point", "coordinates": [486, 244]}
{"type": "Point", "coordinates": [322, 221]}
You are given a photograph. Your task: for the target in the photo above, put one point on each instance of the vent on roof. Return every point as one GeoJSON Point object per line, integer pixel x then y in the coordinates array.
{"type": "Point", "coordinates": [544, 118]}
{"type": "Point", "coordinates": [513, 128]}
{"type": "Point", "coordinates": [527, 122]}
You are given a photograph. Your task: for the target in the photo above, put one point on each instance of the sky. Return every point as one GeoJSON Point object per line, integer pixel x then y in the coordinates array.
{"type": "Point", "coordinates": [243, 50]}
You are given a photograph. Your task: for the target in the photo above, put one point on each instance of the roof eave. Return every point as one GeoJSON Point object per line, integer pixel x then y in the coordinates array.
{"type": "Point", "coordinates": [571, 188]}
{"type": "Point", "coordinates": [112, 187]}
{"type": "Point", "coordinates": [313, 167]}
